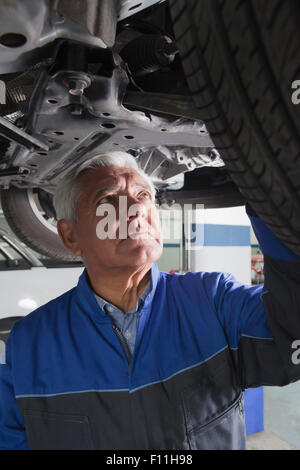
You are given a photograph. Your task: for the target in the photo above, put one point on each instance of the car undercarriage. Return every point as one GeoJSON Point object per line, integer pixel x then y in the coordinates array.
{"type": "Point", "coordinates": [90, 76]}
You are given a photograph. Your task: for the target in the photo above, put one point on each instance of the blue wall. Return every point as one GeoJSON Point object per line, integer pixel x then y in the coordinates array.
{"type": "Point", "coordinates": [254, 410]}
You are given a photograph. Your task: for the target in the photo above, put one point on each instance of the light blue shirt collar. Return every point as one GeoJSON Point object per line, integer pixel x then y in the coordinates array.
{"type": "Point", "coordinates": [105, 305]}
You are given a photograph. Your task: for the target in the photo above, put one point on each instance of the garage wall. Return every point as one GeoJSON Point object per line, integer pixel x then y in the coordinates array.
{"type": "Point", "coordinates": [220, 242]}
{"type": "Point", "coordinates": [224, 243]}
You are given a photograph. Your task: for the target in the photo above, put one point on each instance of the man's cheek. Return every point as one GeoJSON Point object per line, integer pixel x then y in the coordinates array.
{"type": "Point", "coordinates": [157, 226]}
{"type": "Point", "coordinates": [106, 230]}
{"type": "Point", "coordinates": [106, 227]}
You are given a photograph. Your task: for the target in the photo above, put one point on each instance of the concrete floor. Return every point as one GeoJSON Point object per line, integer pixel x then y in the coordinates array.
{"type": "Point", "coordinates": [266, 440]}
{"type": "Point", "coordinates": [282, 420]}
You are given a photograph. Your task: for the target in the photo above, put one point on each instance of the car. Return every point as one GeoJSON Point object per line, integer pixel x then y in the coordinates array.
{"type": "Point", "coordinates": [202, 93]}
{"type": "Point", "coordinates": [29, 280]}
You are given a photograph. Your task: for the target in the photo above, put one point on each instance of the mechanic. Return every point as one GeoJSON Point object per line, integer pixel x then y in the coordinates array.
{"type": "Point", "coordinates": [134, 358]}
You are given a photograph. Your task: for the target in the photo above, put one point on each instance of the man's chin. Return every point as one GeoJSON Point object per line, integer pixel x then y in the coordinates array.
{"type": "Point", "coordinates": [140, 251]}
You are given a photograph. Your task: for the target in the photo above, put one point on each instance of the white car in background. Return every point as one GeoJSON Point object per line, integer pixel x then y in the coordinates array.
{"type": "Point", "coordinates": [28, 279]}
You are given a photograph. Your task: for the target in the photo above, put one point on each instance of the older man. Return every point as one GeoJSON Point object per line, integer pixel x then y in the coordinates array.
{"type": "Point", "coordinates": [134, 358]}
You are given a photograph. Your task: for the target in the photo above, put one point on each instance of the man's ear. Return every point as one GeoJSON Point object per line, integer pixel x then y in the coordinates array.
{"type": "Point", "coordinates": [65, 229]}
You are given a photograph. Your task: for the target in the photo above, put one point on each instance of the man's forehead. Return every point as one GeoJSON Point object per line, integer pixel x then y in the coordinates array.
{"type": "Point", "coordinates": [102, 177]}
{"type": "Point", "coordinates": [106, 171]}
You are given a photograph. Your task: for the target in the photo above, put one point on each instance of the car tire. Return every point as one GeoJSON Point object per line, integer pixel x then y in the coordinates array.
{"type": "Point", "coordinates": [28, 224]}
{"type": "Point", "coordinates": [240, 59]}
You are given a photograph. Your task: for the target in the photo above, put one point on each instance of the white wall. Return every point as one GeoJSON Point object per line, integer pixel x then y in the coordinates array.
{"type": "Point", "coordinates": [233, 253]}
{"type": "Point", "coordinates": [224, 244]}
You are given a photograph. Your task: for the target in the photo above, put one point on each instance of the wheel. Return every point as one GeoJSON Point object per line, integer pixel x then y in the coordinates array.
{"type": "Point", "coordinates": [240, 59]}
{"type": "Point", "coordinates": [23, 211]}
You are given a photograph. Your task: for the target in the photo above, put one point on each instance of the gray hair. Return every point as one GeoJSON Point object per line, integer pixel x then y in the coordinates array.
{"type": "Point", "coordinates": [69, 189]}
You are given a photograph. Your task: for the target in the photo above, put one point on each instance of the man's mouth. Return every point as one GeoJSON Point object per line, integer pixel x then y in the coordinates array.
{"type": "Point", "coordinates": [142, 234]}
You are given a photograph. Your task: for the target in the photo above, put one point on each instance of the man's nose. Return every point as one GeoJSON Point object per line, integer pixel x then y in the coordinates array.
{"type": "Point", "coordinates": [135, 209]}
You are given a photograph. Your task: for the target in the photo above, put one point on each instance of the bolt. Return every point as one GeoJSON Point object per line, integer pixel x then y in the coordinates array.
{"type": "Point", "coordinates": [76, 109]}
{"type": "Point", "coordinates": [212, 154]}
{"type": "Point", "coordinates": [78, 85]}
{"type": "Point", "coordinates": [170, 48]}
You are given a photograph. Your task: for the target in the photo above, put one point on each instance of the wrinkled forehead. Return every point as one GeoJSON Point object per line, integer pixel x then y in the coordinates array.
{"type": "Point", "coordinates": [104, 177]}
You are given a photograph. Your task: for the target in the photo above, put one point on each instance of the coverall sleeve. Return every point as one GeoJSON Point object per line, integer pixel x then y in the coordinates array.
{"type": "Point", "coordinates": [12, 428]}
{"type": "Point", "coordinates": [262, 323]}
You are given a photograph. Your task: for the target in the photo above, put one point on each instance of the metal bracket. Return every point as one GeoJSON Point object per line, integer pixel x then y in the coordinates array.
{"type": "Point", "coordinates": [12, 132]}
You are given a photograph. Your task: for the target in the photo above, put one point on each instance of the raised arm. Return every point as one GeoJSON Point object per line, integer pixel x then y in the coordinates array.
{"type": "Point", "coordinates": [262, 323]}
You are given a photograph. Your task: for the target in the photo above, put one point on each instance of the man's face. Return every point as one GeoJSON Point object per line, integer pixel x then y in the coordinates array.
{"type": "Point", "coordinates": [117, 221]}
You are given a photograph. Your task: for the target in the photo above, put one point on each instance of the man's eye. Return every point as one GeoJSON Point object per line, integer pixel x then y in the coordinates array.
{"type": "Point", "coordinates": [103, 200]}
{"type": "Point", "coordinates": [144, 194]}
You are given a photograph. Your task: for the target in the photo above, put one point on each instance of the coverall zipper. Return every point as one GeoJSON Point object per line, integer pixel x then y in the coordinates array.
{"type": "Point", "coordinates": [123, 344]}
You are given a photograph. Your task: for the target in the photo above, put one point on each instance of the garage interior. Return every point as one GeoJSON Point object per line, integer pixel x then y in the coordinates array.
{"type": "Point", "coordinates": [172, 82]}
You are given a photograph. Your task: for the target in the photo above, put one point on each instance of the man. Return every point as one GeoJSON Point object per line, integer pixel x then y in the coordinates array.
{"type": "Point", "coordinates": [133, 358]}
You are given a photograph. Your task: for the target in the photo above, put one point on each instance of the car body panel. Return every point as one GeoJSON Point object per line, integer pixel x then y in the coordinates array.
{"type": "Point", "coordinates": [27, 279]}
{"type": "Point", "coordinates": [24, 290]}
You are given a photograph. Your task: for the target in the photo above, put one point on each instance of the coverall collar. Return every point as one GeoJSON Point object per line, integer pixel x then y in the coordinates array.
{"type": "Point", "coordinates": [87, 298]}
